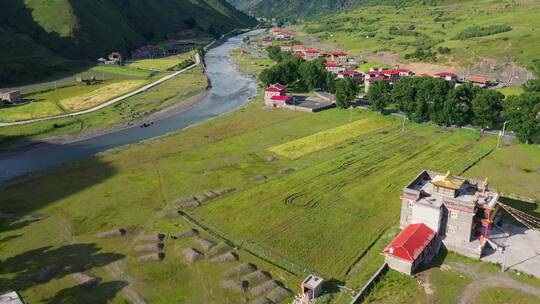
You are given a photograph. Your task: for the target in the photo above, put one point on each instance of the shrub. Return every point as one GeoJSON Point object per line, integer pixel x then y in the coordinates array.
{"type": "Point", "coordinates": [480, 31]}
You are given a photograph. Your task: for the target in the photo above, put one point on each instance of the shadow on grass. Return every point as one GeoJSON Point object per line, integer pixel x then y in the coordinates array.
{"type": "Point", "coordinates": [39, 266]}
{"type": "Point", "coordinates": [101, 293]}
{"type": "Point", "coordinates": [529, 208]}
{"type": "Point", "coordinates": [332, 286]}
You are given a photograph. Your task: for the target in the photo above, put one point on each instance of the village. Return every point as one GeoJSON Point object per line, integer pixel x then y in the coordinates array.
{"type": "Point", "coordinates": [340, 65]}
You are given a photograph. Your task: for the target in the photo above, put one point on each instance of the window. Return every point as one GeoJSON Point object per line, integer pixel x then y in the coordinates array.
{"type": "Point", "coordinates": [451, 229]}
{"type": "Point", "coordinates": [454, 214]}
{"type": "Point", "coordinates": [411, 204]}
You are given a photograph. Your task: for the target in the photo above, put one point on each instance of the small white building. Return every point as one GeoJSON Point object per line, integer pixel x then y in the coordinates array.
{"type": "Point", "coordinates": [285, 48]}
{"type": "Point", "coordinates": [311, 54]}
{"type": "Point", "coordinates": [312, 286]}
{"type": "Point", "coordinates": [11, 96]}
{"type": "Point", "coordinates": [11, 297]}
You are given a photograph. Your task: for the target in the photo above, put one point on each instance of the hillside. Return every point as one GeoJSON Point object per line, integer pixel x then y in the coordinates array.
{"type": "Point", "coordinates": [38, 35]}
{"type": "Point", "coordinates": [297, 9]}
{"type": "Point", "coordinates": [484, 35]}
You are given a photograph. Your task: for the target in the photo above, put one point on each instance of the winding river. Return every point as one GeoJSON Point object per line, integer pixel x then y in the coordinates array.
{"type": "Point", "coordinates": [230, 90]}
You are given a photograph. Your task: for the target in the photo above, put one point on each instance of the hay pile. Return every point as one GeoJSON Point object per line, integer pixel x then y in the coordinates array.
{"type": "Point", "coordinates": [278, 294]}
{"type": "Point", "coordinates": [271, 158]}
{"type": "Point", "coordinates": [201, 198]}
{"type": "Point", "coordinates": [187, 202]}
{"type": "Point", "coordinates": [158, 237]}
{"type": "Point", "coordinates": [219, 249]}
{"type": "Point", "coordinates": [149, 248]}
{"type": "Point", "coordinates": [112, 234]}
{"type": "Point", "coordinates": [204, 243]}
{"type": "Point", "coordinates": [263, 288]}
{"type": "Point", "coordinates": [154, 257]}
{"type": "Point", "coordinates": [85, 280]}
{"type": "Point", "coordinates": [233, 285]}
{"type": "Point", "coordinates": [186, 234]}
{"type": "Point", "coordinates": [256, 277]}
{"type": "Point", "coordinates": [261, 300]}
{"type": "Point", "coordinates": [287, 170]}
{"type": "Point", "coordinates": [258, 178]}
{"type": "Point", "coordinates": [224, 258]}
{"type": "Point", "coordinates": [210, 194]}
{"type": "Point", "coordinates": [241, 269]}
{"type": "Point", "coordinates": [46, 273]}
{"type": "Point", "coordinates": [191, 255]}
{"type": "Point", "coordinates": [224, 191]}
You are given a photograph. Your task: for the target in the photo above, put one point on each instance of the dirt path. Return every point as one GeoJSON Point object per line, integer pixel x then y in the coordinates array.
{"type": "Point", "coordinates": [483, 280]}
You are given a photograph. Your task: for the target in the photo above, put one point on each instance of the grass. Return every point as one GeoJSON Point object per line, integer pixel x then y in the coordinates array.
{"type": "Point", "coordinates": [512, 169]}
{"type": "Point", "coordinates": [251, 65]}
{"type": "Point", "coordinates": [395, 287]}
{"type": "Point", "coordinates": [511, 90]}
{"type": "Point", "coordinates": [162, 64]}
{"type": "Point", "coordinates": [436, 26]}
{"type": "Point", "coordinates": [322, 140]}
{"type": "Point", "coordinates": [448, 285]}
{"type": "Point", "coordinates": [176, 90]}
{"type": "Point", "coordinates": [504, 295]}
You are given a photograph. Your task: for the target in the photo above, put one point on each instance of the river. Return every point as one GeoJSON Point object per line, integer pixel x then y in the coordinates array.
{"type": "Point", "coordinates": [230, 90]}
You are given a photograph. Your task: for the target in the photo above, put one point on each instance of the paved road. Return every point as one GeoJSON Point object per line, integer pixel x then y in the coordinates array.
{"type": "Point", "coordinates": [108, 103]}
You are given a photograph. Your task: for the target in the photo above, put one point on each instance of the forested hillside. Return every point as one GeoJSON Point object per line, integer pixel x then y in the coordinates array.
{"type": "Point", "coordinates": [37, 35]}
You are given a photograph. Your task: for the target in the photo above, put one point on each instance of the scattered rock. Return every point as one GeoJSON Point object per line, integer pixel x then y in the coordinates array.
{"type": "Point", "coordinates": [241, 269]}
{"type": "Point", "coordinates": [278, 294]}
{"type": "Point", "coordinates": [204, 243]}
{"type": "Point", "coordinates": [191, 255]}
{"type": "Point", "coordinates": [149, 248]}
{"type": "Point", "coordinates": [85, 280]}
{"type": "Point", "coordinates": [154, 257]}
{"type": "Point", "coordinates": [186, 234]}
{"type": "Point", "coordinates": [263, 288]}
{"type": "Point", "coordinates": [224, 258]}
{"type": "Point", "coordinates": [112, 234]}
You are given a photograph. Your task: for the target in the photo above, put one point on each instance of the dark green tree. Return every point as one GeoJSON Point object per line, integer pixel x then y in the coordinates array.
{"type": "Point", "coordinates": [487, 107]}
{"type": "Point", "coordinates": [378, 95]}
{"type": "Point", "coordinates": [404, 93]}
{"type": "Point", "coordinates": [458, 105]}
{"type": "Point", "coordinates": [274, 53]}
{"type": "Point", "coordinates": [522, 113]}
{"type": "Point", "coordinates": [268, 77]}
{"type": "Point", "coordinates": [312, 74]}
{"type": "Point", "coordinates": [346, 91]}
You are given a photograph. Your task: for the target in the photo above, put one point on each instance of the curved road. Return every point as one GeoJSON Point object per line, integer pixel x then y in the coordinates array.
{"type": "Point", "coordinates": [230, 90]}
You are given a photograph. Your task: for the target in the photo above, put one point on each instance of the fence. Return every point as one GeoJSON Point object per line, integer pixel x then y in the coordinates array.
{"type": "Point", "coordinates": [369, 285]}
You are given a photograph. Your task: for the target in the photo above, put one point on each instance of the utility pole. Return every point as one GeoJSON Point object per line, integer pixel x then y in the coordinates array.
{"type": "Point", "coordinates": [501, 134]}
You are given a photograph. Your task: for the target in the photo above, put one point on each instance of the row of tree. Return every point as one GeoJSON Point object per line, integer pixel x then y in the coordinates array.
{"type": "Point", "coordinates": [425, 99]}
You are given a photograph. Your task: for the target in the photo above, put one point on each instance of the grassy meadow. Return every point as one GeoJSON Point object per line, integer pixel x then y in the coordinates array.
{"type": "Point", "coordinates": [369, 28]}
{"type": "Point", "coordinates": [161, 64]}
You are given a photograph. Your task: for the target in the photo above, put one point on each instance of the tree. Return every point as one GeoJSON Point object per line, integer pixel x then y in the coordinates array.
{"type": "Point", "coordinates": [330, 83]}
{"type": "Point", "coordinates": [312, 74]}
{"type": "Point", "coordinates": [487, 106]}
{"type": "Point", "coordinates": [458, 106]}
{"type": "Point", "coordinates": [404, 93]}
{"type": "Point", "coordinates": [268, 77]}
{"type": "Point", "coordinates": [522, 113]}
{"type": "Point", "coordinates": [379, 95]}
{"type": "Point", "coordinates": [346, 91]}
{"type": "Point", "coordinates": [274, 53]}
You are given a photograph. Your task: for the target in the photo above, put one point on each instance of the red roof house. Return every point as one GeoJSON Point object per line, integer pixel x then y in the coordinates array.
{"type": "Point", "coordinates": [478, 80]}
{"type": "Point", "coordinates": [413, 246]}
{"type": "Point", "coordinates": [449, 76]}
{"type": "Point", "coordinates": [275, 96]}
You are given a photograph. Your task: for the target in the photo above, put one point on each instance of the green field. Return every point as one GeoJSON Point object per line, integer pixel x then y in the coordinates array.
{"type": "Point", "coordinates": [161, 64]}
{"type": "Point", "coordinates": [177, 89]}
{"type": "Point", "coordinates": [504, 295]}
{"type": "Point", "coordinates": [369, 28]}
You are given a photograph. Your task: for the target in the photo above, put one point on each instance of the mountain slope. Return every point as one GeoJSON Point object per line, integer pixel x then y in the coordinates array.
{"type": "Point", "coordinates": [297, 9]}
{"type": "Point", "coordinates": [40, 32]}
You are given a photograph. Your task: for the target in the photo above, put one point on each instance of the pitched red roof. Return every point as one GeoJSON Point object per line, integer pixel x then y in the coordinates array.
{"type": "Point", "coordinates": [276, 88]}
{"type": "Point", "coordinates": [445, 74]}
{"type": "Point", "coordinates": [299, 46]}
{"type": "Point", "coordinates": [350, 73]}
{"type": "Point", "coordinates": [410, 243]}
{"type": "Point", "coordinates": [298, 54]}
{"type": "Point", "coordinates": [332, 65]}
{"type": "Point", "coordinates": [280, 98]}
{"type": "Point", "coordinates": [478, 79]}
{"type": "Point", "coordinates": [277, 30]}
{"type": "Point", "coordinates": [339, 53]}
{"type": "Point", "coordinates": [312, 51]}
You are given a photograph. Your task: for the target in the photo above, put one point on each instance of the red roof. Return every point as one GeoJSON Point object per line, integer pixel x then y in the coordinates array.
{"type": "Point", "coordinates": [280, 98]}
{"type": "Point", "coordinates": [298, 54]}
{"type": "Point", "coordinates": [332, 65]}
{"type": "Point", "coordinates": [312, 51]}
{"type": "Point", "coordinates": [350, 73]}
{"type": "Point", "coordinates": [277, 30]}
{"type": "Point", "coordinates": [478, 79]}
{"type": "Point", "coordinates": [410, 243]}
{"type": "Point", "coordinates": [339, 53]}
{"type": "Point", "coordinates": [298, 46]}
{"type": "Point", "coordinates": [276, 88]}
{"type": "Point", "coordinates": [446, 74]}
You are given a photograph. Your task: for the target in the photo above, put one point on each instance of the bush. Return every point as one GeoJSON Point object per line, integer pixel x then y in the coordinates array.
{"type": "Point", "coordinates": [480, 31]}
